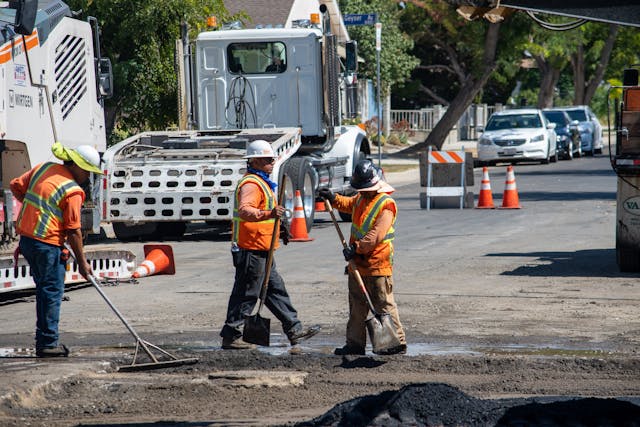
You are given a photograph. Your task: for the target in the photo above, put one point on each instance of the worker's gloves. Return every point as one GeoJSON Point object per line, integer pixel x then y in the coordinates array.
{"type": "Point", "coordinates": [327, 194]}
{"type": "Point", "coordinates": [278, 211]}
{"type": "Point", "coordinates": [285, 235]}
{"type": "Point", "coordinates": [349, 252]}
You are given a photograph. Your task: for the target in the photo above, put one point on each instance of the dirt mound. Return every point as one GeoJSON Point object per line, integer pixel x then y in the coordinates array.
{"type": "Point", "coordinates": [436, 404]}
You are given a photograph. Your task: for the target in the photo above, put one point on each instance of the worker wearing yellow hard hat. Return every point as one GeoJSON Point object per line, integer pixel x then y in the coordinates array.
{"type": "Point", "coordinates": [50, 216]}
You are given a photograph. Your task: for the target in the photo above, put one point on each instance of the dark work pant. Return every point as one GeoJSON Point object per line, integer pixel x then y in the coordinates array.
{"type": "Point", "coordinates": [48, 274]}
{"type": "Point", "coordinates": [250, 271]}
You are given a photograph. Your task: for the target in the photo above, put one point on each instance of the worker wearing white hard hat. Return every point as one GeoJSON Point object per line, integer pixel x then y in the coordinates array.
{"type": "Point", "coordinates": [254, 214]}
{"type": "Point", "coordinates": [52, 200]}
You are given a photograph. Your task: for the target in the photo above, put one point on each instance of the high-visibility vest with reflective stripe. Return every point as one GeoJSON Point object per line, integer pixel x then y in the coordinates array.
{"type": "Point", "coordinates": [41, 216]}
{"type": "Point", "coordinates": [254, 235]}
{"type": "Point", "coordinates": [365, 212]}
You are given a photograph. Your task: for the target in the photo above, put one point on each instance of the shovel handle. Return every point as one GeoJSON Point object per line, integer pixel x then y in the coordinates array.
{"type": "Point", "coordinates": [352, 266]}
{"type": "Point", "coordinates": [274, 237]}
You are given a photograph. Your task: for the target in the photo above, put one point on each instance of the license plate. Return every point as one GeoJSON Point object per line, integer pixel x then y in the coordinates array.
{"type": "Point", "coordinates": [509, 151]}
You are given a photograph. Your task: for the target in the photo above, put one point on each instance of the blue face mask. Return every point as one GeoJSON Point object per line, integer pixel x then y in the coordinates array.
{"type": "Point", "coordinates": [264, 176]}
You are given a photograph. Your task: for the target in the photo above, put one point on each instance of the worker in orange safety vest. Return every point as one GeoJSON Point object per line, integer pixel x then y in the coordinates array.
{"type": "Point", "coordinates": [373, 212]}
{"type": "Point", "coordinates": [254, 214]}
{"type": "Point", "coordinates": [51, 199]}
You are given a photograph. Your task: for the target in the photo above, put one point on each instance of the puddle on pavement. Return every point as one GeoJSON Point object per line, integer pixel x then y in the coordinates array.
{"type": "Point", "coordinates": [280, 346]}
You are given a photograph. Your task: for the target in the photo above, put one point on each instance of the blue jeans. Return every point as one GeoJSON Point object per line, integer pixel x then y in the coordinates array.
{"type": "Point", "coordinates": [48, 273]}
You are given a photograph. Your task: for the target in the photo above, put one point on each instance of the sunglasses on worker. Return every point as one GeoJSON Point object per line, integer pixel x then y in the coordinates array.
{"type": "Point", "coordinates": [268, 160]}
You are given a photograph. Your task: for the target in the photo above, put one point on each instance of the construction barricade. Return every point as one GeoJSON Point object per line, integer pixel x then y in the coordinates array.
{"type": "Point", "coordinates": [109, 264]}
{"type": "Point", "coordinates": [446, 175]}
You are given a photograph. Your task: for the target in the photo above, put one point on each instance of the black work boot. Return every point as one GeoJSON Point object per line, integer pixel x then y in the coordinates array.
{"type": "Point", "coordinates": [349, 349]}
{"type": "Point", "coordinates": [59, 351]}
{"type": "Point", "coordinates": [303, 334]}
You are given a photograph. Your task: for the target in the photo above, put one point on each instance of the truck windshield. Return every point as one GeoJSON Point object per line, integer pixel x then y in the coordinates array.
{"type": "Point", "coordinates": [257, 58]}
{"type": "Point", "coordinates": [578, 115]}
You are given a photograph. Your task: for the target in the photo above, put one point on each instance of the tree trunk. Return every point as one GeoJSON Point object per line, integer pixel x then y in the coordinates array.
{"type": "Point", "coordinates": [470, 88]}
{"type": "Point", "coordinates": [549, 76]}
{"type": "Point", "coordinates": [577, 63]}
{"type": "Point", "coordinates": [584, 91]}
{"type": "Point", "coordinates": [605, 55]}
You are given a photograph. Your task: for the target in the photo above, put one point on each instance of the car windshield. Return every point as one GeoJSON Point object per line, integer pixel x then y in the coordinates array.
{"type": "Point", "coordinates": [514, 121]}
{"type": "Point", "coordinates": [556, 117]}
{"type": "Point", "coordinates": [578, 115]}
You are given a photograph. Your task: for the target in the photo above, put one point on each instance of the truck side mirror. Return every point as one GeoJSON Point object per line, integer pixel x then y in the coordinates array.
{"type": "Point", "coordinates": [351, 63]}
{"type": "Point", "coordinates": [105, 78]}
{"type": "Point", "coordinates": [26, 11]}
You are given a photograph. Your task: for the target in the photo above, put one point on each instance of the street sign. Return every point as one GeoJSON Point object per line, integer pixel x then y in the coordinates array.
{"type": "Point", "coordinates": [359, 19]}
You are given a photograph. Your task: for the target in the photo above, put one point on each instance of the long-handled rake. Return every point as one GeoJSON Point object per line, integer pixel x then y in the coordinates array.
{"type": "Point", "coordinates": [155, 363]}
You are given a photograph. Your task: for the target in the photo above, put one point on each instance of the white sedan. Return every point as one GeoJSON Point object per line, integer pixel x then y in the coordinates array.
{"type": "Point", "coordinates": [517, 135]}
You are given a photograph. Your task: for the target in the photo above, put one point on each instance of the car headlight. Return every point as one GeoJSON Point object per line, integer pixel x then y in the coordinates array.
{"type": "Point", "coordinates": [560, 138]}
{"type": "Point", "coordinates": [582, 129]}
{"type": "Point", "coordinates": [537, 138]}
{"type": "Point", "coordinates": [485, 141]}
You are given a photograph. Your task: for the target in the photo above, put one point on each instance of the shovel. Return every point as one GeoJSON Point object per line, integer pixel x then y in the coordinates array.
{"type": "Point", "coordinates": [382, 333]}
{"type": "Point", "coordinates": [172, 360]}
{"type": "Point", "coordinates": [257, 329]}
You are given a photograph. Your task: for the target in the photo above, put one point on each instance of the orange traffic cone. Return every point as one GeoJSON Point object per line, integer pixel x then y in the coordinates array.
{"type": "Point", "coordinates": [485, 200]}
{"type": "Point", "coordinates": [298, 222]}
{"type": "Point", "coordinates": [510, 196]}
{"type": "Point", "coordinates": [158, 259]}
{"type": "Point", "coordinates": [320, 206]}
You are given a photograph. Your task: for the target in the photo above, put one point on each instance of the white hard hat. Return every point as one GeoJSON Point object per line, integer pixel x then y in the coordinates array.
{"type": "Point", "coordinates": [85, 156]}
{"type": "Point", "coordinates": [259, 148]}
{"type": "Point", "coordinates": [91, 156]}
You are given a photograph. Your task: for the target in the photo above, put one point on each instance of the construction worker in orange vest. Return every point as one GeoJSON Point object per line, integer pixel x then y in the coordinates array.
{"type": "Point", "coordinates": [373, 214]}
{"type": "Point", "coordinates": [254, 213]}
{"type": "Point", "coordinates": [50, 215]}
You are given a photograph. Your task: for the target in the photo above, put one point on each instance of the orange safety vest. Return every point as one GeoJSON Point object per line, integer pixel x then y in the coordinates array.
{"type": "Point", "coordinates": [41, 217]}
{"type": "Point", "coordinates": [365, 212]}
{"type": "Point", "coordinates": [255, 236]}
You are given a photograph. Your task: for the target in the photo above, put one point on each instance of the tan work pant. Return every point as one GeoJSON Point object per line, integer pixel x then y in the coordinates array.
{"type": "Point", "coordinates": [380, 289]}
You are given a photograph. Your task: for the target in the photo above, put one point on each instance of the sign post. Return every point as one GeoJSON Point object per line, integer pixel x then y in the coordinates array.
{"type": "Point", "coordinates": [371, 19]}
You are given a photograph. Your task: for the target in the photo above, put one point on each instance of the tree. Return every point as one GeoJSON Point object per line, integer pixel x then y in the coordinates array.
{"type": "Point", "coordinates": [590, 59]}
{"type": "Point", "coordinates": [139, 37]}
{"type": "Point", "coordinates": [396, 61]}
{"type": "Point", "coordinates": [461, 55]}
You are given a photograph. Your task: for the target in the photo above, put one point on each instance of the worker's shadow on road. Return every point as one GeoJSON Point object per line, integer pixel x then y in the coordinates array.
{"type": "Point", "coordinates": [584, 263]}
{"type": "Point", "coordinates": [360, 362]}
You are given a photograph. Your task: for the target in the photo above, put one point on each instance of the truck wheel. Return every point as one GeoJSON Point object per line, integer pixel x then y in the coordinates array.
{"type": "Point", "coordinates": [303, 177]}
{"type": "Point", "coordinates": [130, 233]}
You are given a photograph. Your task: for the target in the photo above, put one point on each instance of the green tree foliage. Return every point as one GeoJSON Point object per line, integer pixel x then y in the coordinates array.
{"type": "Point", "coordinates": [396, 63]}
{"type": "Point", "coordinates": [139, 36]}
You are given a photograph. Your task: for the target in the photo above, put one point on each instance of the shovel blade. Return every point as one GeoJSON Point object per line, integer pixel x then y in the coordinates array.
{"type": "Point", "coordinates": [382, 333]}
{"type": "Point", "coordinates": [257, 330]}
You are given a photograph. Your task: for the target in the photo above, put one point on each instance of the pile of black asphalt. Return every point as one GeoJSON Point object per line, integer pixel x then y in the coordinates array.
{"type": "Point", "coordinates": [437, 404]}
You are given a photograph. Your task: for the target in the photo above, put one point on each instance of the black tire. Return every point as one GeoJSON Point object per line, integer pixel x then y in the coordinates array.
{"type": "Point", "coordinates": [554, 158]}
{"type": "Point", "coordinates": [302, 177]}
{"type": "Point", "coordinates": [345, 216]}
{"type": "Point", "coordinates": [131, 233]}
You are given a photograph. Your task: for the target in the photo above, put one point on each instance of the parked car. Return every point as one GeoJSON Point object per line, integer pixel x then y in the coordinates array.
{"type": "Point", "coordinates": [517, 135]}
{"type": "Point", "coordinates": [568, 141]}
{"type": "Point", "coordinates": [589, 127]}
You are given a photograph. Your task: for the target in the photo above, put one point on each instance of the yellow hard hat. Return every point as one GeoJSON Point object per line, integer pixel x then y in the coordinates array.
{"type": "Point", "coordinates": [85, 156]}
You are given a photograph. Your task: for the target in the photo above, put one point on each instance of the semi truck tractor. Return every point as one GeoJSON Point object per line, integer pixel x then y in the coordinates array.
{"type": "Point", "coordinates": [282, 85]}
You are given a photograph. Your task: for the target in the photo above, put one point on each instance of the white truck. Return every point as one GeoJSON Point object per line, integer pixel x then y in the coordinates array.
{"type": "Point", "coordinates": [283, 85]}
{"type": "Point", "coordinates": [52, 84]}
